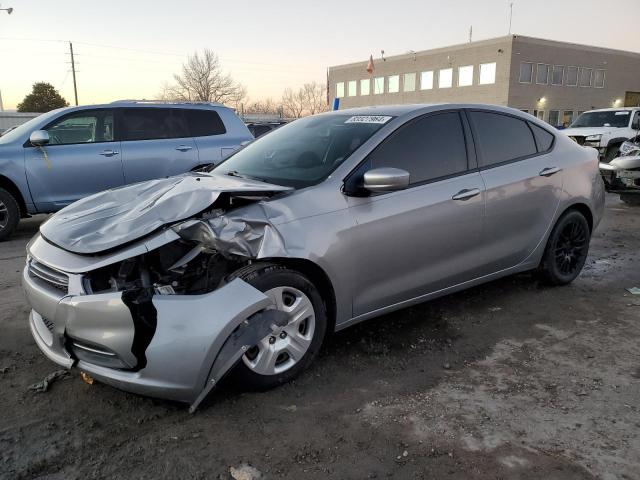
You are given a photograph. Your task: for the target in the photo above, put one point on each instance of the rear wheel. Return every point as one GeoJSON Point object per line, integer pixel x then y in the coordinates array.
{"type": "Point", "coordinates": [283, 354]}
{"type": "Point", "coordinates": [566, 250]}
{"type": "Point", "coordinates": [9, 214]}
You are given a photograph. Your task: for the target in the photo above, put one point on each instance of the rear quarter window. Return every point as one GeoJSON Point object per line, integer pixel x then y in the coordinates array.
{"type": "Point", "coordinates": [501, 138]}
{"type": "Point", "coordinates": [544, 139]}
{"type": "Point", "coordinates": [204, 123]}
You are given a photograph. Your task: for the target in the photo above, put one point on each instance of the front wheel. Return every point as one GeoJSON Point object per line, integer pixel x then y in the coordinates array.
{"type": "Point", "coordinates": [611, 153]}
{"type": "Point", "coordinates": [9, 214]}
{"type": "Point", "coordinates": [283, 354]}
{"type": "Point", "coordinates": [566, 249]}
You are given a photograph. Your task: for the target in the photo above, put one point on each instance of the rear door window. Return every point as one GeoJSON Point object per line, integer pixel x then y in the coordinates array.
{"type": "Point", "coordinates": [501, 138]}
{"type": "Point", "coordinates": [204, 123]}
{"type": "Point", "coordinates": [428, 148]}
{"type": "Point", "coordinates": [153, 124]}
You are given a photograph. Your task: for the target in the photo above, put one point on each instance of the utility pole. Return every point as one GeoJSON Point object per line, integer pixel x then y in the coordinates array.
{"type": "Point", "coordinates": [1, 106]}
{"type": "Point", "coordinates": [73, 70]}
{"type": "Point", "coordinates": [470, 33]}
{"type": "Point", "coordinates": [510, 15]}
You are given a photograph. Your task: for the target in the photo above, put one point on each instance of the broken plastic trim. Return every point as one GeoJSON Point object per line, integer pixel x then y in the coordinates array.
{"type": "Point", "coordinates": [248, 334]}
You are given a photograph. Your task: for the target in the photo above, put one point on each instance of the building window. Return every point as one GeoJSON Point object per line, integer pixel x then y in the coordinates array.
{"type": "Point", "coordinates": [567, 118]}
{"type": "Point", "coordinates": [378, 85]}
{"type": "Point", "coordinates": [445, 78]}
{"type": "Point", "coordinates": [339, 89]}
{"type": "Point", "coordinates": [585, 77]}
{"type": "Point", "coordinates": [394, 83]}
{"type": "Point", "coordinates": [525, 111]}
{"type": "Point", "coordinates": [409, 82]}
{"type": "Point", "coordinates": [526, 72]}
{"type": "Point", "coordinates": [487, 73]}
{"type": "Point", "coordinates": [554, 117]}
{"type": "Point", "coordinates": [365, 86]}
{"type": "Point", "coordinates": [539, 114]}
{"type": "Point", "coordinates": [598, 79]}
{"type": "Point", "coordinates": [580, 112]}
{"type": "Point", "coordinates": [571, 78]}
{"type": "Point", "coordinates": [465, 76]}
{"type": "Point", "coordinates": [557, 75]}
{"type": "Point", "coordinates": [426, 80]}
{"type": "Point", "coordinates": [542, 75]}
{"type": "Point", "coordinates": [352, 88]}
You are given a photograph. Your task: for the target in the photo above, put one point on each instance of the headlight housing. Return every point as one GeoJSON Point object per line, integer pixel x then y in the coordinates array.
{"type": "Point", "coordinates": [593, 138]}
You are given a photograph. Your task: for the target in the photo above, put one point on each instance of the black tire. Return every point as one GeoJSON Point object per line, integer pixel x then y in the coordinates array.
{"type": "Point", "coordinates": [630, 198]}
{"type": "Point", "coordinates": [9, 214]}
{"type": "Point", "coordinates": [612, 152]}
{"type": "Point", "coordinates": [566, 250]}
{"type": "Point", "coordinates": [265, 276]}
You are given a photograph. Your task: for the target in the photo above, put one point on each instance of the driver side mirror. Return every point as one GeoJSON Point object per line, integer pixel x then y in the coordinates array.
{"type": "Point", "coordinates": [39, 138]}
{"type": "Point", "coordinates": [386, 180]}
{"type": "Point", "coordinates": [635, 125]}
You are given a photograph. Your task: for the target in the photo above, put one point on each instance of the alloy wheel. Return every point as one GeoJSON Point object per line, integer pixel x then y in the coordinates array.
{"type": "Point", "coordinates": [571, 247]}
{"type": "Point", "coordinates": [4, 216]}
{"type": "Point", "coordinates": [282, 349]}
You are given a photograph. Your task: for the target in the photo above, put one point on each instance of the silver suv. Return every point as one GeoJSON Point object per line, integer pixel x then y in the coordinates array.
{"type": "Point", "coordinates": [67, 154]}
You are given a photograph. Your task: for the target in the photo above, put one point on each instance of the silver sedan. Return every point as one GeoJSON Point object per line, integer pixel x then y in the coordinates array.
{"type": "Point", "coordinates": [164, 287]}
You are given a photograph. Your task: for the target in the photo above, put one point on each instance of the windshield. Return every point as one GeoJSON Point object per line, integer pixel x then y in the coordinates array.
{"type": "Point", "coordinates": [304, 152]}
{"type": "Point", "coordinates": [19, 131]}
{"type": "Point", "coordinates": [614, 118]}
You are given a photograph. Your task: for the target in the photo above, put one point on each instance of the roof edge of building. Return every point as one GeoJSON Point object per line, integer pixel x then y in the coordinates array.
{"type": "Point", "coordinates": [403, 56]}
{"type": "Point", "coordinates": [494, 40]}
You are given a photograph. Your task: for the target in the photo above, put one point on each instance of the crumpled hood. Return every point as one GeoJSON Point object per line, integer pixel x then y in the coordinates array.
{"type": "Point", "coordinates": [120, 215]}
{"type": "Point", "coordinates": [586, 131]}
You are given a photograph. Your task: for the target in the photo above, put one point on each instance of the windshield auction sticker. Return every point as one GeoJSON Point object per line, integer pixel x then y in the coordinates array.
{"type": "Point", "coordinates": [369, 119]}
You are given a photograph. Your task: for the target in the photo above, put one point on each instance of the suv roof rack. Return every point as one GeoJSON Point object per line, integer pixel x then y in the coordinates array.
{"type": "Point", "coordinates": [167, 102]}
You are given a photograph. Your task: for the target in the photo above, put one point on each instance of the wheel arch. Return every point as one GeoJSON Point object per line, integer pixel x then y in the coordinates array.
{"type": "Point", "coordinates": [318, 277]}
{"type": "Point", "coordinates": [12, 188]}
{"type": "Point", "coordinates": [584, 209]}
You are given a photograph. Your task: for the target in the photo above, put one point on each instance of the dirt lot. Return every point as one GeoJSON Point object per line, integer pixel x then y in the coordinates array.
{"type": "Point", "coordinates": [508, 380]}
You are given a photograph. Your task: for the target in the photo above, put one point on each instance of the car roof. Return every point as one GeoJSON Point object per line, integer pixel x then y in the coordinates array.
{"type": "Point", "coordinates": [148, 104]}
{"type": "Point", "coordinates": [613, 109]}
{"type": "Point", "coordinates": [408, 109]}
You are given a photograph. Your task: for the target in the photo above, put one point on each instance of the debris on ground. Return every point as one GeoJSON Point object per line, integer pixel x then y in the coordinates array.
{"type": "Point", "coordinates": [245, 472]}
{"type": "Point", "coordinates": [44, 385]}
{"type": "Point", "coordinates": [634, 290]}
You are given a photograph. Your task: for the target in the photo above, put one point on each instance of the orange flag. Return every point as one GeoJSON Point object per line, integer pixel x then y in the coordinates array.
{"type": "Point", "coordinates": [370, 64]}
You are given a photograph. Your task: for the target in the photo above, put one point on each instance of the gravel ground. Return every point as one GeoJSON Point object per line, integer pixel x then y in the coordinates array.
{"type": "Point", "coordinates": [507, 380]}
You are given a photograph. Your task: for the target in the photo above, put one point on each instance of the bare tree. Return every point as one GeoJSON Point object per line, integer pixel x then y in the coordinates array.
{"type": "Point", "coordinates": [267, 106]}
{"type": "Point", "coordinates": [203, 80]}
{"type": "Point", "coordinates": [307, 100]}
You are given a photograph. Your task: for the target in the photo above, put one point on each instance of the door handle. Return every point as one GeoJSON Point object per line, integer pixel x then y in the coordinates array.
{"type": "Point", "coordinates": [547, 172]}
{"type": "Point", "coordinates": [466, 194]}
{"type": "Point", "coordinates": [109, 153]}
{"type": "Point", "coordinates": [183, 148]}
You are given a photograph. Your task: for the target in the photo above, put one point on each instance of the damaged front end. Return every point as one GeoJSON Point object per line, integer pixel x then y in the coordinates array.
{"type": "Point", "coordinates": [622, 174]}
{"type": "Point", "coordinates": [159, 316]}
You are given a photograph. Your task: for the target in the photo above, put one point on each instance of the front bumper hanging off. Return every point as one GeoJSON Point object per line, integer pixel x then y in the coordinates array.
{"type": "Point", "coordinates": [197, 338]}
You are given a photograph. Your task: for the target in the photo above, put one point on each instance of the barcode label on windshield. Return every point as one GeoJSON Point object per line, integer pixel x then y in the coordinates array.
{"type": "Point", "coordinates": [369, 119]}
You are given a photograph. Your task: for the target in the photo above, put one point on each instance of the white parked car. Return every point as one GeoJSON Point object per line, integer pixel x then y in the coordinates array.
{"type": "Point", "coordinates": [605, 129]}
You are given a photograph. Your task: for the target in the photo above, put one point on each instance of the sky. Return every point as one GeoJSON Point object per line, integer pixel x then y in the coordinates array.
{"type": "Point", "coordinates": [130, 49]}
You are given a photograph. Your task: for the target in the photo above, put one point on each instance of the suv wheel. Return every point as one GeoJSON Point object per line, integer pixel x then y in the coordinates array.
{"type": "Point", "coordinates": [9, 214]}
{"type": "Point", "coordinates": [566, 249]}
{"type": "Point", "coordinates": [612, 152]}
{"type": "Point", "coordinates": [281, 356]}
{"type": "Point", "coordinates": [630, 198]}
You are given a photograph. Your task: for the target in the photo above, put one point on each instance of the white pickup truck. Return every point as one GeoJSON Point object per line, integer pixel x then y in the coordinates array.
{"type": "Point", "coordinates": [605, 129]}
